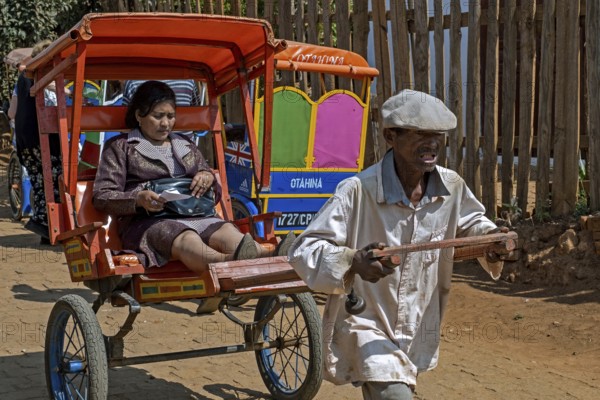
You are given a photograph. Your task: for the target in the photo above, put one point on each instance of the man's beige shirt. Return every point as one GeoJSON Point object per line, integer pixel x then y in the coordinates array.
{"type": "Point", "coordinates": [398, 334]}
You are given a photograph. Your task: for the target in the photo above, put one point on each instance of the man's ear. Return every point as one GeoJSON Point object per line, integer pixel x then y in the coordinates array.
{"type": "Point", "coordinates": [388, 135]}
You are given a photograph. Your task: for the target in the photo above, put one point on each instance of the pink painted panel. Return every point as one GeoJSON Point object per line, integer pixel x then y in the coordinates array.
{"type": "Point", "coordinates": [337, 132]}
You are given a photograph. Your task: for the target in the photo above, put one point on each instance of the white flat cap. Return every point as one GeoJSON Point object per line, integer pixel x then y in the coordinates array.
{"type": "Point", "coordinates": [415, 110]}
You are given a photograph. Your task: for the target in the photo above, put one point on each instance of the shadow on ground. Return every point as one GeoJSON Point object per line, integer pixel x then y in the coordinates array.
{"type": "Point", "coordinates": [585, 291]}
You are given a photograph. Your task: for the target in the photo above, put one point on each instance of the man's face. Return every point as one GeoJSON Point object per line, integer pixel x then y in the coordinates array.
{"type": "Point", "coordinates": [417, 150]}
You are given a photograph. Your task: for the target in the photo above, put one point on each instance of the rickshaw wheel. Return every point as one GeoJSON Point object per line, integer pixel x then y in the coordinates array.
{"type": "Point", "coordinates": [293, 372]}
{"type": "Point", "coordinates": [75, 353]}
{"type": "Point", "coordinates": [15, 187]}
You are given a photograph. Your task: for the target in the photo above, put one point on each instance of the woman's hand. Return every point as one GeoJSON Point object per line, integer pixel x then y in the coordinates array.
{"type": "Point", "coordinates": [201, 182]}
{"type": "Point", "coordinates": [150, 201]}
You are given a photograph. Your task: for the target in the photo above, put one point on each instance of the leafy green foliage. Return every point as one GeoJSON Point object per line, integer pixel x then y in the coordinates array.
{"type": "Point", "coordinates": [25, 22]}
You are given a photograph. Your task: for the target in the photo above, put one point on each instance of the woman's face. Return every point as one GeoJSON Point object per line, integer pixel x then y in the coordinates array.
{"type": "Point", "coordinates": [159, 122]}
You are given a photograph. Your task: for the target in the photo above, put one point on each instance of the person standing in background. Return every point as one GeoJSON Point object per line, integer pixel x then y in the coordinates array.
{"type": "Point", "coordinates": [27, 138]}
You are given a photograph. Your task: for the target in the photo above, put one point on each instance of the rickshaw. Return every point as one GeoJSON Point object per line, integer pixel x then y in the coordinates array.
{"type": "Point", "coordinates": [314, 143]}
{"type": "Point", "coordinates": [223, 53]}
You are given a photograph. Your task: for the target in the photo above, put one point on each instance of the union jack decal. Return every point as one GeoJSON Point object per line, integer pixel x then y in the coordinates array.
{"type": "Point", "coordinates": [238, 153]}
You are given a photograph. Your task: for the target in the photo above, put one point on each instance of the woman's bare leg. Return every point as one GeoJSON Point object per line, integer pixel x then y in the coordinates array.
{"type": "Point", "coordinates": [227, 238]}
{"type": "Point", "coordinates": [189, 248]}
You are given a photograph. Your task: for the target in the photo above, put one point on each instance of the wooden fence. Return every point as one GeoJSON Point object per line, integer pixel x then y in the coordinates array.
{"type": "Point", "coordinates": [531, 90]}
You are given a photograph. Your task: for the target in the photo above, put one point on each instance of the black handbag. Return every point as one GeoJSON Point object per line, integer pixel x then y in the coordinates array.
{"type": "Point", "coordinates": [203, 206]}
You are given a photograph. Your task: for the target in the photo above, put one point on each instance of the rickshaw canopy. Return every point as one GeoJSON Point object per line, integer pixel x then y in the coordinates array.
{"type": "Point", "coordinates": [223, 52]}
{"type": "Point", "coordinates": [162, 46]}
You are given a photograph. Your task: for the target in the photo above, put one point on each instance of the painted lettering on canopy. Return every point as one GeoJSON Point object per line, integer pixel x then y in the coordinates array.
{"type": "Point", "coordinates": [319, 59]}
{"type": "Point", "coordinates": [306, 183]}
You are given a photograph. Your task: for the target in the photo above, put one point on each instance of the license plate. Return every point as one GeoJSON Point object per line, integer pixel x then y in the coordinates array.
{"type": "Point", "coordinates": [293, 219]}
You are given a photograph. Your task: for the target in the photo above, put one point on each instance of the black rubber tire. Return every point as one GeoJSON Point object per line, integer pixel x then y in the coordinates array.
{"type": "Point", "coordinates": [292, 373]}
{"type": "Point", "coordinates": [239, 209]}
{"type": "Point", "coordinates": [74, 341]}
{"type": "Point", "coordinates": [14, 174]}
{"type": "Point", "coordinates": [236, 300]}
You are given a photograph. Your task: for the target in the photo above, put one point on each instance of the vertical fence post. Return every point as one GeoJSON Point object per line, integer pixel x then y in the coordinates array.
{"type": "Point", "coordinates": [490, 116]}
{"type": "Point", "coordinates": [566, 129]}
{"type": "Point", "coordinates": [592, 48]}
{"type": "Point", "coordinates": [312, 31]}
{"type": "Point", "coordinates": [360, 37]}
{"type": "Point", "coordinates": [342, 20]}
{"type": "Point", "coordinates": [509, 96]}
{"type": "Point", "coordinates": [401, 46]}
{"type": "Point", "coordinates": [382, 62]}
{"type": "Point", "coordinates": [526, 98]}
{"type": "Point", "coordinates": [421, 54]}
{"type": "Point", "coordinates": [329, 80]}
{"type": "Point", "coordinates": [440, 78]}
{"type": "Point", "coordinates": [473, 117]}
{"type": "Point", "coordinates": [455, 95]}
{"type": "Point", "coordinates": [545, 109]}
{"type": "Point", "coordinates": [300, 37]}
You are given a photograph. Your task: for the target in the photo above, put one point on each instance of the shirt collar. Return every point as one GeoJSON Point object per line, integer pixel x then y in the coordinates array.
{"type": "Point", "coordinates": [394, 193]}
{"type": "Point", "coordinates": [181, 146]}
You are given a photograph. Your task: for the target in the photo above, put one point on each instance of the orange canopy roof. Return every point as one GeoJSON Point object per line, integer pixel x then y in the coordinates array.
{"type": "Point", "coordinates": [162, 46]}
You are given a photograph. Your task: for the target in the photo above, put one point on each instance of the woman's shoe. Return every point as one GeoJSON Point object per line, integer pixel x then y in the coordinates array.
{"type": "Point", "coordinates": [284, 246]}
{"type": "Point", "coordinates": [247, 249]}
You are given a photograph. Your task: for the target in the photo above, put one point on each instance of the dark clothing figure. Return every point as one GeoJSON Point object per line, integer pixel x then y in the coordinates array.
{"type": "Point", "coordinates": [27, 139]}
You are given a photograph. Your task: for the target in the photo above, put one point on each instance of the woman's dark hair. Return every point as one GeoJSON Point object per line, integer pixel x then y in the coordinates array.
{"type": "Point", "coordinates": [148, 95]}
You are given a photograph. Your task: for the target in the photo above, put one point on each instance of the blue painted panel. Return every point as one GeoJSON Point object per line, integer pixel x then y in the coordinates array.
{"type": "Point", "coordinates": [306, 182]}
{"type": "Point", "coordinates": [239, 179]}
{"type": "Point", "coordinates": [296, 212]}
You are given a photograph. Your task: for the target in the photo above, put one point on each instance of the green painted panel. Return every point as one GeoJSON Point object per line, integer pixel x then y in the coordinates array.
{"type": "Point", "coordinates": [291, 128]}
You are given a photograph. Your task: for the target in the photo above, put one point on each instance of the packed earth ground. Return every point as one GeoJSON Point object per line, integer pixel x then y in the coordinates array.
{"type": "Point", "coordinates": [533, 334]}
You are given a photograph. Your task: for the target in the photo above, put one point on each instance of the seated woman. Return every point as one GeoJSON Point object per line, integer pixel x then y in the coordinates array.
{"type": "Point", "coordinates": [152, 151]}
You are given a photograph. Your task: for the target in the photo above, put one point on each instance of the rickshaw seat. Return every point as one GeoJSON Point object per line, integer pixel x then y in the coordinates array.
{"type": "Point", "coordinates": [88, 214]}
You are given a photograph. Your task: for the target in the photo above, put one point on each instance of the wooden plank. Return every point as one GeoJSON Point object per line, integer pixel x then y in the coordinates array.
{"type": "Point", "coordinates": [208, 7]}
{"type": "Point", "coordinates": [360, 33]}
{"type": "Point", "coordinates": [455, 97]}
{"type": "Point", "coordinates": [286, 31]}
{"type": "Point", "coordinates": [566, 115]}
{"type": "Point", "coordinates": [268, 11]}
{"type": "Point", "coordinates": [342, 20]}
{"type": "Point", "coordinates": [545, 107]}
{"type": "Point", "coordinates": [421, 53]}
{"type": "Point", "coordinates": [526, 98]}
{"type": "Point", "coordinates": [252, 8]}
{"type": "Point", "coordinates": [236, 7]}
{"type": "Point", "coordinates": [300, 37]}
{"type": "Point", "coordinates": [382, 63]}
{"type": "Point", "coordinates": [440, 79]}
{"type": "Point", "coordinates": [509, 96]}
{"type": "Point", "coordinates": [438, 41]}
{"type": "Point", "coordinates": [400, 46]}
{"type": "Point", "coordinates": [219, 8]}
{"type": "Point", "coordinates": [312, 32]}
{"type": "Point", "coordinates": [592, 48]}
{"type": "Point", "coordinates": [327, 35]}
{"type": "Point", "coordinates": [360, 38]}
{"type": "Point", "coordinates": [490, 116]}
{"type": "Point", "coordinates": [473, 116]}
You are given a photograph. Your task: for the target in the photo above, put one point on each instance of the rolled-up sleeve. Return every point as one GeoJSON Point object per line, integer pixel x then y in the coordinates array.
{"type": "Point", "coordinates": [473, 222]}
{"type": "Point", "coordinates": [320, 255]}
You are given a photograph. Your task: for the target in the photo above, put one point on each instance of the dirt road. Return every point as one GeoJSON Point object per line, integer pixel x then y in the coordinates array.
{"type": "Point", "coordinates": [500, 340]}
